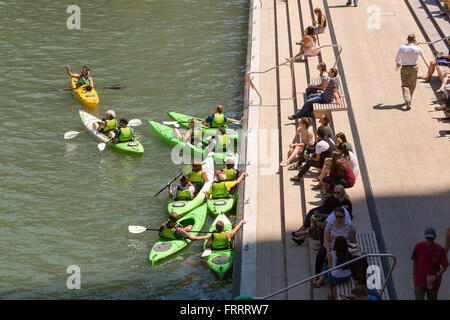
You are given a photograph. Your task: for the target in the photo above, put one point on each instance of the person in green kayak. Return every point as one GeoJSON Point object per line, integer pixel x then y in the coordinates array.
{"type": "Point", "coordinates": [197, 177]}
{"type": "Point", "coordinates": [229, 170]}
{"type": "Point", "coordinates": [107, 125]}
{"type": "Point", "coordinates": [219, 142]}
{"type": "Point", "coordinates": [124, 133]}
{"type": "Point", "coordinates": [193, 134]}
{"type": "Point", "coordinates": [84, 78]}
{"type": "Point", "coordinates": [218, 119]}
{"type": "Point", "coordinates": [171, 229]}
{"type": "Point", "coordinates": [221, 239]}
{"type": "Point", "coordinates": [185, 191]}
{"type": "Point", "coordinates": [222, 188]}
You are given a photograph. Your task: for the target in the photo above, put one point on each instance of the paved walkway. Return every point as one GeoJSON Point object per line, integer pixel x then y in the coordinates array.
{"type": "Point", "coordinates": [404, 184]}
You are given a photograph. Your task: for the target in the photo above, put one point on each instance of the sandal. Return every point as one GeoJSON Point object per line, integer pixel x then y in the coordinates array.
{"type": "Point", "coordinates": [292, 167]}
{"type": "Point", "coordinates": [316, 188]}
{"type": "Point", "coordinates": [315, 179]}
{"type": "Point", "coordinates": [296, 179]}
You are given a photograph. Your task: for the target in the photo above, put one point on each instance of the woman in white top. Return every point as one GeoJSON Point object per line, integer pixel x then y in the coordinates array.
{"type": "Point", "coordinates": [306, 136]}
{"type": "Point", "coordinates": [324, 77]}
{"type": "Point", "coordinates": [338, 256]}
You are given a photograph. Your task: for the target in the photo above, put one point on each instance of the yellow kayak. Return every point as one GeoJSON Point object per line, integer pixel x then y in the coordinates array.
{"type": "Point", "coordinates": [88, 98]}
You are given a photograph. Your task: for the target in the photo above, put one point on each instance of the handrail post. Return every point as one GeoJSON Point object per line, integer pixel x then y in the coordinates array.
{"type": "Point", "coordinates": [387, 255]}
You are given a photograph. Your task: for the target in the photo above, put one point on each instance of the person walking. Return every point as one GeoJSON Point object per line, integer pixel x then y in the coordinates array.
{"type": "Point", "coordinates": [430, 262]}
{"type": "Point", "coordinates": [407, 59]}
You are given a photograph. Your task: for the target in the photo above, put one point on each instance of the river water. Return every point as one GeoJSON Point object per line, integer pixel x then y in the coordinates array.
{"type": "Point", "coordinates": [66, 203]}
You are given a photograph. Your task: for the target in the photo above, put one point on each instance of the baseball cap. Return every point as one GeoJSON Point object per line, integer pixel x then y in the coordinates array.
{"type": "Point", "coordinates": [221, 175]}
{"type": "Point", "coordinates": [229, 161]}
{"type": "Point", "coordinates": [430, 232]}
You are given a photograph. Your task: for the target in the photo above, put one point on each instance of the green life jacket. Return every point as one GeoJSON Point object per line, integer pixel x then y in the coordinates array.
{"type": "Point", "coordinates": [168, 233]}
{"type": "Point", "coordinates": [183, 194]}
{"type": "Point", "coordinates": [82, 81]}
{"type": "Point", "coordinates": [219, 190]}
{"type": "Point", "coordinates": [221, 145]}
{"type": "Point", "coordinates": [196, 176]}
{"type": "Point", "coordinates": [110, 125]}
{"type": "Point", "coordinates": [230, 174]}
{"type": "Point", "coordinates": [220, 241]}
{"type": "Point", "coordinates": [125, 134]}
{"type": "Point", "coordinates": [218, 120]}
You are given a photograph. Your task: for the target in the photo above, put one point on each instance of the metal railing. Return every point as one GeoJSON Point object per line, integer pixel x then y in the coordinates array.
{"type": "Point", "coordinates": [252, 85]}
{"type": "Point", "coordinates": [339, 266]}
{"type": "Point", "coordinates": [433, 48]}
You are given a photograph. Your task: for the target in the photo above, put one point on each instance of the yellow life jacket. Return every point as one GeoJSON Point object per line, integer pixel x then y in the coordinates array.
{"type": "Point", "coordinates": [219, 190]}
{"type": "Point", "coordinates": [231, 176]}
{"type": "Point", "coordinates": [183, 194]}
{"type": "Point", "coordinates": [168, 233]}
{"type": "Point", "coordinates": [221, 145]}
{"type": "Point", "coordinates": [110, 125]}
{"type": "Point", "coordinates": [196, 176]}
{"type": "Point", "coordinates": [125, 134]}
{"type": "Point", "coordinates": [218, 120]}
{"type": "Point", "coordinates": [220, 241]}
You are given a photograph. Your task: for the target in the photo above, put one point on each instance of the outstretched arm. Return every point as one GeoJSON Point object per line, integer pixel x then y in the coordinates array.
{"type": "Point", "coordinates": [196, 238]}
{"type": "Point", "coordinates": [236, 228]}
{"type": "Point", "coordinates": [73, 75]}
{"type": "Point", "coordinates": [242, 176]}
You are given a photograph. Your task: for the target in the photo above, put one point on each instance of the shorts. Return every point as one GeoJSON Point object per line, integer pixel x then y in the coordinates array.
{"type": "Point", "coordinates": [443, 62]}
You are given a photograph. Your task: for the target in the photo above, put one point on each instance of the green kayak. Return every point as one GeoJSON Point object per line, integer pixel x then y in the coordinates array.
{"type": "Point", "coordinates": [163, 248]}
{"type": "Point", "coordinates": [166, 133]}
{"type": "Point", "coordinates": [220, 261]}
{"type": "Point", "coordinates": [181, 207]}
{"type": "Point", "coordinates": [184, 121]}
{"type": "Point", "coordinates": [222, 205]}
{"type": "Point", "coordinates": [134, 146]}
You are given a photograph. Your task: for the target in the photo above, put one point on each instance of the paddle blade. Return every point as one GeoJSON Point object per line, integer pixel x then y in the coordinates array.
{"type": "Point", "coordinates": [206, 253]}
{"type": "Point", "coordinates": [101, 146]}
{"type": "Point", "coordinates": [136, 229]}
{"type": "Point", "coordinates": [117, 87]}
{"type": "Point", "coordinates": [71, 134]}
{"type": "Point", "coordinates": [134, 122]}
{"type": "Point", "coordinates": [171, 123]}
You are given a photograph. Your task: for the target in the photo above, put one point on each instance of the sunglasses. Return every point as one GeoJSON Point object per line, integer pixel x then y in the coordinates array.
{"type": "Point", "coordinates": [339, 216]}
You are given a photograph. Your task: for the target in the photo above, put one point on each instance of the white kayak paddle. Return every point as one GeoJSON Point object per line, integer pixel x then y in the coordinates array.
{"type": "Point", "coordinates": [206, 253]}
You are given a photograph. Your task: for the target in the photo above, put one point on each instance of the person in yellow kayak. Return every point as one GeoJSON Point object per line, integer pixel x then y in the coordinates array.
{"type": "Point", "coordinates": [221, 188]}
{"type": "Point", "coordinates": [107, 125]}
{"type": "Point", "coordinates": [221, 239]}
{"type": "Point", "coordinates": [197, 177]}
{"type": "Point", "coordinates": [218, 119]}
{"type": "Point", "coordinates": [185, 191]}
{"type": "Point", "coordinates": [193, 134]}
{"type": "Point", "coordinates": [124, 133]}
{"type": "Point", "coordinates": [84, 78]}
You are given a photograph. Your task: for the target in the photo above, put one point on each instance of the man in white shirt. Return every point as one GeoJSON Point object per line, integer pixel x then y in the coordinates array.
{"type": "Point", "coordinates": [407, 57]}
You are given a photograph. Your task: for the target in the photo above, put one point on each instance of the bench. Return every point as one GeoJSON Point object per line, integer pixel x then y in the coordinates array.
{"type": "Point", "coordinates": [327, 108]}
{"type": "Point", "coordinates": [368, 244]}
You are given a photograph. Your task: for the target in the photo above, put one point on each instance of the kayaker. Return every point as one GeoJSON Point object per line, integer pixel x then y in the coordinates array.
{"type": "Point", "coordinates": [193, 134]}
{"type": "Point", "coordinates": [218, 119]}
{"type": "Point", "coordinates": [222, 188]}
{"type": "Point", "coordinates": [124, 132]}
{"type": "Point", "coordinates": [108, 123]}
{"type": "Point", "coordinates": [84, 79]}
{"type": "Point", "coordinates": [197, 177]}
{"type": "Point", "coordinates": [229, 170]}
{"type": "Point", "coordinates": [171, 229]}
{"type": "Point", "coordinates": [185, 191]}
{"type": "Point", "coordinates": [220, 239]}
{"type": "Point", "coordinates": [219, 142]}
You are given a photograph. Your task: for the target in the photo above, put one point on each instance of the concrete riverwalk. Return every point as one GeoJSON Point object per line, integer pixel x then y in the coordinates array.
{"type": "Point", "coordinates": [404, 184]}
